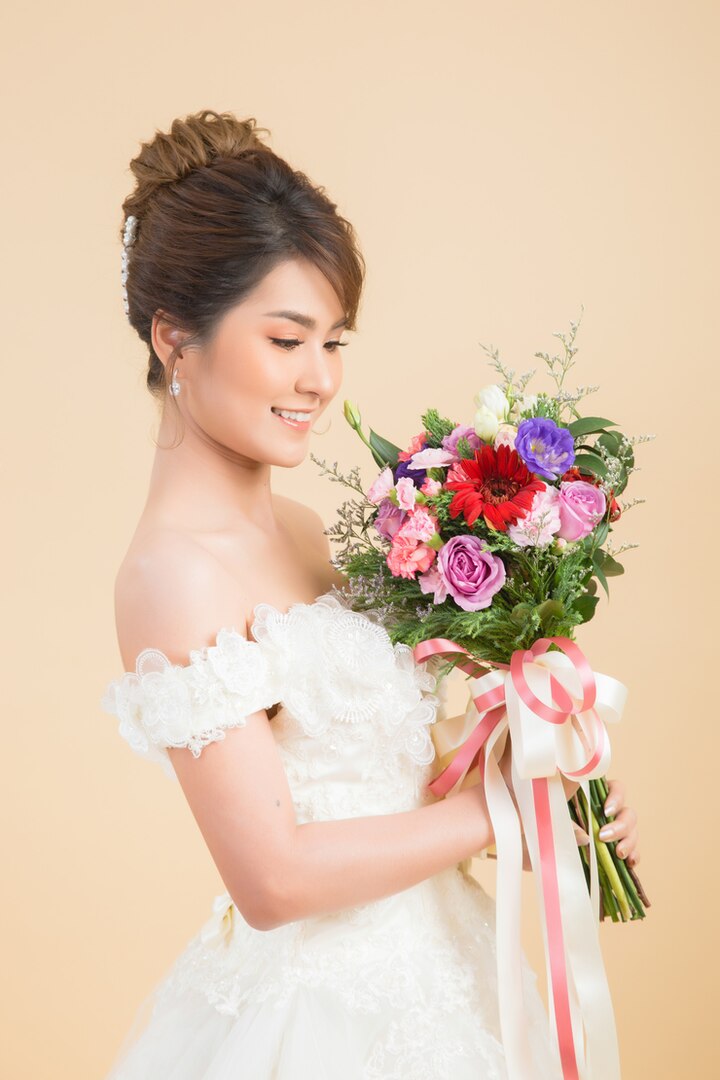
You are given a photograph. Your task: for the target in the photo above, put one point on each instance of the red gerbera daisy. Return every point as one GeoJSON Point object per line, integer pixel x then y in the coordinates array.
{"type": "Point", "coordinates": [499, 486]}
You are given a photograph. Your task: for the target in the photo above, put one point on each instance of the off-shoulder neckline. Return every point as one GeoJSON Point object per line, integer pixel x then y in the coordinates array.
{"type": "Point", "coordinates": [257, 608]}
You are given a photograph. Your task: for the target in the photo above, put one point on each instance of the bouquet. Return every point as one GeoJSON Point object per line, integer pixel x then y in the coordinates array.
{"type": "Point", "coordinates": [483, 543]}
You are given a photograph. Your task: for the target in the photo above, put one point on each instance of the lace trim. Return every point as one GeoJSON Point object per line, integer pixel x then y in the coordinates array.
{"type": "Point", "coordinates": [329, 666]}
{"type": "Point", "coordinates": [163, 704]}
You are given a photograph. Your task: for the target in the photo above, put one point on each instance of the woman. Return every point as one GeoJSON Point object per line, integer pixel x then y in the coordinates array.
{"type": "Point", "coordinates": [350, 941]}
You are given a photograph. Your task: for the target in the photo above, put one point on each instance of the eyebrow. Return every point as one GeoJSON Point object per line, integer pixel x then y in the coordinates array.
{"type": "Point", "coordinates": [305, 320]}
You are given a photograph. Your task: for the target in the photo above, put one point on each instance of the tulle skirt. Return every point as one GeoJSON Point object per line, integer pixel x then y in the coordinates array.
{"type": "Point", "coordinates": [404, 988]}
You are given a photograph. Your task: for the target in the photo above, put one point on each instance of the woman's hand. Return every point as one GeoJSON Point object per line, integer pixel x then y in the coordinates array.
{"type": "Point", "coordinates": [624, 828]}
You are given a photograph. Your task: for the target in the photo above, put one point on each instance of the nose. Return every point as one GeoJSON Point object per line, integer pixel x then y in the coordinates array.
{"type": "Point", "coordinates": [318, 373]}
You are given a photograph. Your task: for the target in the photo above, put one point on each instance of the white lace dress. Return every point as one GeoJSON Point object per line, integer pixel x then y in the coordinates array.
{"type": "Point", "coordinates": [403, 988]}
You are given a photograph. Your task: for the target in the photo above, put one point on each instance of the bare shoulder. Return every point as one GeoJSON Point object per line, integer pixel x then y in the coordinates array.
{"type": "Point", "coordinates": [303, 519]}
{"type": "Point", "coordinates": [172, 594]}
{"type": "Point", "coordinates": [308, 528]}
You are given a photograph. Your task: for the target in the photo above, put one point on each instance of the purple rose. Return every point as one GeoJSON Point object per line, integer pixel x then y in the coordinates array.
{"type": "Point", "coordinates": [471, 572]}
{"type": "Point", "coordinates": [462, 431]}
{"type": "Point", "coordinates": [389, 518]}
{"type": "Point", "coordinates": [546, 449]}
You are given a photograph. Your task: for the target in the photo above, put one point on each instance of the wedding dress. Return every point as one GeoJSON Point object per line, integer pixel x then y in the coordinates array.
{"type": "Point", "coordinates": [402, 988]}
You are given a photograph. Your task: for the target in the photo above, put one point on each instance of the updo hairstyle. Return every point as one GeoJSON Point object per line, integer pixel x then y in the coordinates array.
{"type": "Point", "coordinates": [216, 211]}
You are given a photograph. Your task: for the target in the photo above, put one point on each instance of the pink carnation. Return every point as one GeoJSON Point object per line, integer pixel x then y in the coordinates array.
{"type": "Point", "coordinates": [416, 444]}
{"type": "Point", "coordinates": [433, 582]}
{"type": "Point", "coordinates": [431, 487]}
{"type": "Point", "coordinates": [406, 557]}
{"type": "Point", "coordinates": [542, 521]}
{"type": "Point", "coordinates": [419, 525]}
{"type": "Point", "coordinates": [455, 473]}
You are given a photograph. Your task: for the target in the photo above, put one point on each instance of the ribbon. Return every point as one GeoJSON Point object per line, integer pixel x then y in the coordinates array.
{"type": "Point", "coordinates": [554, 709]}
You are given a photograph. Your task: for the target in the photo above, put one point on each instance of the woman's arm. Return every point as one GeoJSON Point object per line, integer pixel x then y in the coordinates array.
{"type": "Point", "coordinates": [277, 870]}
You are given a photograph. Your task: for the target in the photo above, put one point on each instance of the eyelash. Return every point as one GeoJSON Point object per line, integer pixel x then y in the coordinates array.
{"type": "Point", "coordinates": [291, 343]}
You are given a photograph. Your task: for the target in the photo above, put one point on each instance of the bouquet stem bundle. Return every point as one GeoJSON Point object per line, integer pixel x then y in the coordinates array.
{"type": "Point", "coordinates": [622, 897]}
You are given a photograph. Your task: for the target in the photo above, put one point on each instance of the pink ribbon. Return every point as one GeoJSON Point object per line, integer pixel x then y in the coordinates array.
{"type": "Point", "coordinates": [577, 985]}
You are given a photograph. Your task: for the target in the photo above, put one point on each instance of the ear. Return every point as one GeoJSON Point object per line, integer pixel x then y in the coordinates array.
{"type": "Point", "coordinates": [165, 337]}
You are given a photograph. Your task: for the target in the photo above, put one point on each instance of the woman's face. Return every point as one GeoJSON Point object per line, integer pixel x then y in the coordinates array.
{"type": "Point", "coordinates": [267, 376]}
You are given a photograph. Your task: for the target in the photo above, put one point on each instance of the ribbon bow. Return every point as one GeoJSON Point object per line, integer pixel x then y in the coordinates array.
{"type": "Point", "coordinates": [554, 708]}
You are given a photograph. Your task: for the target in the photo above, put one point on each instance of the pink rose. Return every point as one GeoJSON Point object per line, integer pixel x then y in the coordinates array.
{"type": "Point", "coordinates": [472, 573]}
{"type": "Point", "coordinates": [581, 507]}
{"type": "Point", "coordinates": [381, 487]}
{"type": "Point", "coordinates": [406, 492]}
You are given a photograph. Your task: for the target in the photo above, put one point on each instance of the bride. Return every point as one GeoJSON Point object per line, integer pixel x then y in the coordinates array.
{"type": "Point", "coordinates": [350, 941]}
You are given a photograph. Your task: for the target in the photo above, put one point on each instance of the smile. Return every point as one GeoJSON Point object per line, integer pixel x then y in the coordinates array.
{"type": "Point", "coordinates": [294, 418]}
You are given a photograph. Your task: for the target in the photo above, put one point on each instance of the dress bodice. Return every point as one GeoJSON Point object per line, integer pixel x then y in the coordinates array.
{"type": "Point", "coordinates": [354, 717]}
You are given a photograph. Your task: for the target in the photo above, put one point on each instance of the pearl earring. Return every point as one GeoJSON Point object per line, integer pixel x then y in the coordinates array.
{"type": "Point", "coordinates": [174, 385]}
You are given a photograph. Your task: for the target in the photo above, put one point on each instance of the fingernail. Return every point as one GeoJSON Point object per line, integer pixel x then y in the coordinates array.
{"type": "Point", "coordinates": [610, 808]}
{"type": "Point", "coordinates": [606, 833]}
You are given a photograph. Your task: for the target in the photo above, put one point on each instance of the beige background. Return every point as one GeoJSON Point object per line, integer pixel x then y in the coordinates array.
{"type": "Point", "coordinates": [503, 164]}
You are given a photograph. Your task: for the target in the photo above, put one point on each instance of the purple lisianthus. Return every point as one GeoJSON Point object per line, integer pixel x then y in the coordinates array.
{"type": "Point", "coordinates": [389, 518]}
{"type": "Point", "coordinates": [404, 468]}
{"type": "Point", "coordinates": [462, 431]}
{"type": "Point", "coordinates": [471, 572]}
{"type": "Point", "coordinates": [546, 449]}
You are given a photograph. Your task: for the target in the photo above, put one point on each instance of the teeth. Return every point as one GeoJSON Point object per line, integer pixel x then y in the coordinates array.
{"type": "Point", "coordinates": [291, 415]}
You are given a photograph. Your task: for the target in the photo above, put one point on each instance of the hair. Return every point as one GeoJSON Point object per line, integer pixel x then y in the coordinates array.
{"type": "Point", "coordinates": [217, 210]}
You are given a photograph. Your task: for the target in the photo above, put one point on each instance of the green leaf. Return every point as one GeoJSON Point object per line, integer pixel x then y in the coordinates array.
{"type": "Point", "coordinates": [521, 613]}
{"type": "Point", "coordinates": [599, 573]}
{"type": "Point", "coordinates": [610, 567]}
{"type": "Point", "coordinates": [598, 536]}
{"type": "Point", "coordinates": [585, 606]}
{"type": "Point", "coordinates": [591, 463]}
{"type": "Point", "coordinates": [588, 425]}
{"type": "Point", "coordinates": [384, 452]}
{"type": "Point", "coordinates": [549, 610]}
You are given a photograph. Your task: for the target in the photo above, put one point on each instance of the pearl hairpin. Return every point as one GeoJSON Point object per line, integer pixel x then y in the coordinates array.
{"type": "Point", "coordinates": [128, 240]}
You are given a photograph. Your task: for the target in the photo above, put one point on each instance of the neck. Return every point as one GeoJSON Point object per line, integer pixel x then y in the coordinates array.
{"type": "Point", "coordinates": [201, 485]}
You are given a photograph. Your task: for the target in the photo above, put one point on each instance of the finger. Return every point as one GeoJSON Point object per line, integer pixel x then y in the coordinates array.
{"type": "Point", "coordinates": [580, 835]}
{"type": "Point", "coordinates": [627, 845]}
{"type": "Point", "coordinates": [616, 796]}
{"type": "Point", "coordinates": [621, 826]}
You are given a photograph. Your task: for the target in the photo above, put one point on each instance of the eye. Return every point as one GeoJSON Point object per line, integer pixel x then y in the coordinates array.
{"type": "Point", "coordinates": [291, 343]}
{"type": "Point", "coordinates": [286, 343]}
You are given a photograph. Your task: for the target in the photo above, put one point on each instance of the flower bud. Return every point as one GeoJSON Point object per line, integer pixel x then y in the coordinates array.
{"type": "Point", "coordinates": [352, 415]}
{"type": "Point", "coordinates": [486, 424]}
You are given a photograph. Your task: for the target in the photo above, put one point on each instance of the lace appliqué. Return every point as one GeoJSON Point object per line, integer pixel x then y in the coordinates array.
{"type": "Point", "coordinates": [421, 961]}
{"type": "Point", "coordinates": [162, 704]}
{"type": "Point", "coordinates": [339, 668]}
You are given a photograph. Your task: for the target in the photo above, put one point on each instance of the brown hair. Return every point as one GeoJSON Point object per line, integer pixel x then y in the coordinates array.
{"type": "Point", "coordinates": [216, 211]}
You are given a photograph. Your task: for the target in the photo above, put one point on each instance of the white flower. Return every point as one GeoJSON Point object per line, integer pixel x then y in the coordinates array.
{"type": "Point", "coordinates": [486, 424]}
{"type": "Point", "coordinates": [521, 403]}
{"type": "Point", "coordinates": [492, 398]}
